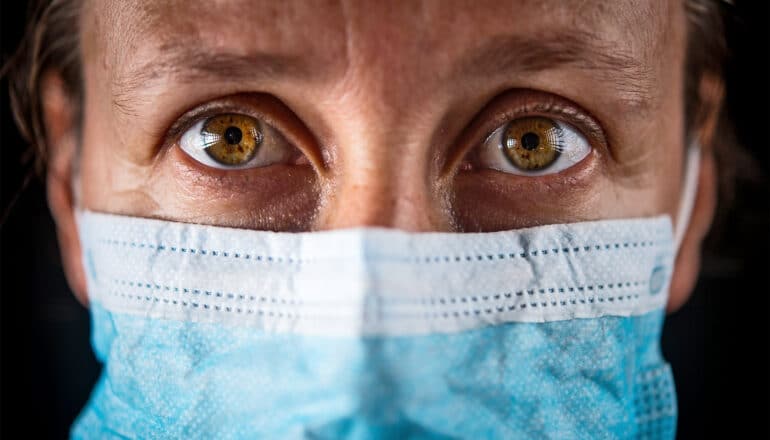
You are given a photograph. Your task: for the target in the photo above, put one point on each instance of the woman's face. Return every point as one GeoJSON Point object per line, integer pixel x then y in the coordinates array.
{"type": "Point", "coordinates": [429, 116]}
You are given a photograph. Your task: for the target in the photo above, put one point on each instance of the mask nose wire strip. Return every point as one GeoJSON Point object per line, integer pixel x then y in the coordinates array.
{"type": "Point", "coordinates": [689, 191]}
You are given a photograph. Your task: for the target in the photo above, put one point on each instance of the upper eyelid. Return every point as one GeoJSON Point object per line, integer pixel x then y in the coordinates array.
{"type": "Point", "coordinates": [208, 110]}
{"type": "Point", "coordinates": [550, 109]}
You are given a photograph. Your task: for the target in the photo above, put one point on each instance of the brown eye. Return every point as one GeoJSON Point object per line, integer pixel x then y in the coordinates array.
{"type": "Point", "coordinates": [533, 143]}
{"type": "Point", "coordinates": [236, 141]}
{"type": "Point", "coordinates": [532, 146]}
{"type": "Point", "coordinates": [231, 139]}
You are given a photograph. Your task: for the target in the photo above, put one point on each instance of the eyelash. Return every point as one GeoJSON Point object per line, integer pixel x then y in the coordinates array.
{"type": "Point", "coordinates": [556, 110]}
{"type": "Point", "coordinates": [511, 105]}
{"type": "Point", "coordinates": [209, 110]}
{"type": "Point", "coordinates": [522, 103]}
{"type": "Point", "coordinates": [267, 109]}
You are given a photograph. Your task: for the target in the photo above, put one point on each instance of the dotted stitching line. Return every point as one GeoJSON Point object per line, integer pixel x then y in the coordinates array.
{"type": "Point", "coordinates": [536, 253]}
{"type": "Point", "coordinates": [206, 306]}
{"type": "Point", "coordinates": [532, 292]}
{"type": "Point", "coordinates": [427, 259]}
{"type": "Point", "coordinates": [209, 293]}
{"type": "Point", "coordinates": [279, 314]}
{"type": "Point", "coordinates": [542, 304]}
{"type": "Point", "coordinates": [422, 301]}
{"type": "Point", "coordinates": [436, 315]}
{"type": "Point", "coordinates": [189, 250]}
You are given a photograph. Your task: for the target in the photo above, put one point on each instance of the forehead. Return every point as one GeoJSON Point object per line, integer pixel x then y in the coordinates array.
{"type": "Point", "coordinates": [339, 34]}
{"type": "Point", "coordinates": [391, 55]}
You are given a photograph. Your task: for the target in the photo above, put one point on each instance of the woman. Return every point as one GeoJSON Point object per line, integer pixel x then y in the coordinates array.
{"type": "Point", "coordinates": [578, 141]}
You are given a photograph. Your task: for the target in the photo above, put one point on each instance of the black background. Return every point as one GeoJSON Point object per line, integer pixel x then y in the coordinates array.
{"type": "Point", "coordinates": [718, 344]}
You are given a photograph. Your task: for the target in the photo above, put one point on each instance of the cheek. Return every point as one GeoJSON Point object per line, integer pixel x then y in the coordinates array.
{"type": "Point", "coordinates": [277, 197]}
{"type": "Point", "coordinates": [488, 200]}
{"type": "Point", "coordinates": [108, 182]}
{"type": "Point", "coordinates": [651, 168]}
{"type": "Point", "coordinates": [597, 188]}
{"type": "Point", "coordinates": [112, 170]}
{"type": "Point", "coordinates": [174, 187]}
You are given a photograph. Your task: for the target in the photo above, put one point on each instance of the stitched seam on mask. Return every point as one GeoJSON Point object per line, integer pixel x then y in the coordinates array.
{"type": "Point", "coordinates": [209, 293]}
{"type": "Point", "coordinates": [533, 292]}
{"type": "Point", "coordinates": [210, 307]}
{"type": "Point", "coordinates": [543, 304]}
{"type": "Point", "coordinates": [281, 314]}
{"type": "Point", "coordinates": [611, 247]}
{"type": "Point", "coordinates": [538, 252]}
{"type": "Point", "coordinates": [194, 251]}
{"type": "Point", "coordinates": [433, 302]}
{"type": "Point", "coordinates": [565, 303]}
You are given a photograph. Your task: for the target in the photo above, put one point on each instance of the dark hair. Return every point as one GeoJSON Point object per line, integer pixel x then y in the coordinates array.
{"type": "Point", "coordinates": [51, 42]}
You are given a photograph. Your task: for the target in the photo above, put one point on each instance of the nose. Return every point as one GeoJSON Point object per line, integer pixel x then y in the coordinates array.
{"type": "Point", "coordinates": [384, 168]}
{"type": "Point", "coordinates": [381, 203]}
{"type": "Point", "coordinates": [380, 184]}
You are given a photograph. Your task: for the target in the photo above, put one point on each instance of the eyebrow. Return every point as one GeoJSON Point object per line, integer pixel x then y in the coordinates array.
{"type": "Point", "coordinates": [630, 77]}
{"type": "Point", "coordinates": [191, 64]}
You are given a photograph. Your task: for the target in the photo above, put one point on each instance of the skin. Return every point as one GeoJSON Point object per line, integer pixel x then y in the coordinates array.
{"type": "Point", "coordinates": [387, 104]}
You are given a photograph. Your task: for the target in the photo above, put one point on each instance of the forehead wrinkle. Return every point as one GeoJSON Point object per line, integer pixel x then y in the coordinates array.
{"type": "Point", "coordinates": [185, 65]}
{"type": "Point", "coordinates": [623, 70]}
{"type": "Point", "coordinates": [616, 44]}
{"type": "Point", "coordinates": [248, 25]}
{"type": "Point", "coordinates": [251, 43]}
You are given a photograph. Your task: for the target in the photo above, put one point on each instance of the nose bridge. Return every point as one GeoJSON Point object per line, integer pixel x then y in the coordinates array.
{"type": "Point", "coordinates": [381, 178]}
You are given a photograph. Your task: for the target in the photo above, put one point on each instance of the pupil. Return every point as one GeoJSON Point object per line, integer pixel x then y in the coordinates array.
{"type": "Point", "coordinates": [233, 135]}
{"type": "Point", "coordinates": [530, 141]}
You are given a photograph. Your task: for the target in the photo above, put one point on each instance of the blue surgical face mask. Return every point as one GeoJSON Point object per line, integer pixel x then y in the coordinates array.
{"type": "Point", "coordinates": [546, 332]}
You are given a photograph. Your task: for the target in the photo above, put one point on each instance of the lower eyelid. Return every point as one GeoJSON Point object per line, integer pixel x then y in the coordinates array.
{"type": "Point", "coordinates": [275, 197]}
{"type": "Point", "coordinates": [575, 179]}
{"type": "Point", "coordinates": [188, 171]}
